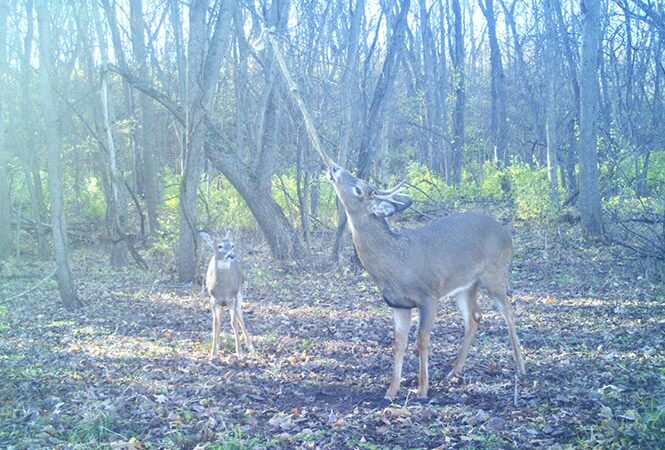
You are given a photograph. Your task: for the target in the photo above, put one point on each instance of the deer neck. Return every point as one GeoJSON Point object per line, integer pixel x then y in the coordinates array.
{"type": "Point", "coordinates": [223, 264]}
{"type": "Point", "coordinates": [373, 238]}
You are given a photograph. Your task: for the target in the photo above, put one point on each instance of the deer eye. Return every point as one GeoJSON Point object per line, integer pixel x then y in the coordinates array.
{"type": "Point", "coordinates": [358, 191]}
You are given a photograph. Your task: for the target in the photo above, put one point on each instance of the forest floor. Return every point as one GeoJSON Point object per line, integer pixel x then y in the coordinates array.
{"type": "Point", "coordinates": [130, 369]}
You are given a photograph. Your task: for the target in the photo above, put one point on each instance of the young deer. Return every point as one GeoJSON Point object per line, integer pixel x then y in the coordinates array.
{"type": "Point", "coordinates": [454, 256]}
{"type": "Point", "coordinates": [224, 284]}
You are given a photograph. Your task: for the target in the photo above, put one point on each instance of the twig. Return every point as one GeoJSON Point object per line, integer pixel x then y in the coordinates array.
{"type": "Point", "coordinates": [293, 89]}
{"type": "Point", "coordinates": [42, 281]}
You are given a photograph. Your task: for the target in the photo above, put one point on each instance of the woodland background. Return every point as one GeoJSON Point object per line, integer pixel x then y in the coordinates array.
{"type": "Point", "coordinates": [128, 126]}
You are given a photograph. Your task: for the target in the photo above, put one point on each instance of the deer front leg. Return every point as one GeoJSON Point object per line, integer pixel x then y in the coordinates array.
{"type": "Point", "coordinates": [216, 325]}
{"type": "Point", "coordinates": [402, 323]}
{"type": "Point", "coordinates": [427, 314]}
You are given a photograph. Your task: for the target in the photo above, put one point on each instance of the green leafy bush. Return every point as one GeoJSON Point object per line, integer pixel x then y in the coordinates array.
{"type": "Point", "coordinates": [530, 191]}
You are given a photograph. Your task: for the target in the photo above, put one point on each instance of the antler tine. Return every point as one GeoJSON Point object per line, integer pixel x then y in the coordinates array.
{"type": "Point", "coordinates": [390, 192]}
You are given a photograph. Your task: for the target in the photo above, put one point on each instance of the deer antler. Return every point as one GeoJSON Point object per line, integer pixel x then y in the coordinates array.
{"type": "Point", "coordinates": [390, 194]}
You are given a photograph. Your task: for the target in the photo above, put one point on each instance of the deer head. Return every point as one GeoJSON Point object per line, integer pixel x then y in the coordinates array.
{"type": "Point", "coordinates": [361, 199]}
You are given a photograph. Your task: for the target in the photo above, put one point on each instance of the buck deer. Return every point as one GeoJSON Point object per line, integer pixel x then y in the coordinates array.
{"type": "Point", "coordinates": [224, 284]}
{"type": "Point", "coordinates": [453, 257]}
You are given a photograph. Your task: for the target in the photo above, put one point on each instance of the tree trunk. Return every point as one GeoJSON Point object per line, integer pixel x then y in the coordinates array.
{"type": "Point", "coordinates": [570, 55]}
{"type": "Point", "coordinates": [460, 96]}
{"type": "Point", "coordinates": [5, 201]}
{"type": "Point", "coordinates": [433, 72]}
{"type": "Point", "coordinates": [52, 140]}
{"type": "Point", "coordinates": [551, 72]}
{"type": "Point", "coordinates": [30, 160]}
{"type": "Point", "coordinates": [145, 141]}
{"type": "Point", "coordinates": [116, 204]}
{"type": "Point", "coordinates": [592, 224]}
{"type": "Point", "coordinates": [204, 58]}
{"type": "Point", "coordinates": [498, 121]}
{"type": "Point", "coordinates": [373, 123]}
{"type": "Point", "coordinates": [349, 86]}
{"type": "Point", "coordinates": [276, 228]}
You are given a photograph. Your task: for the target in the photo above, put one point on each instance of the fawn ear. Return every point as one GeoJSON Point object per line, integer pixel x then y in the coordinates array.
{"type": "Point", "coordinates": [207, 239]}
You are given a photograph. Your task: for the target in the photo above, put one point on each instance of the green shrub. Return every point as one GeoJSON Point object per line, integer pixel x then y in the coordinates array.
{"type": "Point", "coordinates": [530, 191]}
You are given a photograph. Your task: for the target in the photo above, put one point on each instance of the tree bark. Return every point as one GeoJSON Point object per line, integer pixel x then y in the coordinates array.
{"type": "Point", "coordinates": [276, 228]}
{"type": "Point", "coordinates": [116, 202]}
{"type": "Point", "coordinates": [349, 86]}
{"type": "Point", "coordinates": [460, 96]}
{"type": "Point", "coordinates": [145, 141]}
{"type": "Point", "coordinates": [5, 201]}
{"type": "Point", "coordinates": [52, 140]}
{"type": "Point", "coordinates": [373, 122]}
{"type": "Point", "coordinates": [551, 72]}
{"type": "Point", "coordinates": [592, 225]}
{"type": "Point", "coordinates": [498, 121]}
{"type": "Point", "coordinates": [30, 160]}
{"type": "Point", "coordinates": [204, 58]}
{"type": "Point", "coordinates": [434, 69]}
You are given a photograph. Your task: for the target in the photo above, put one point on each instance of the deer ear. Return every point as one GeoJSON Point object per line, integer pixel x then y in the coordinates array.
{"type": "Point", "coordinates": [386, 208]}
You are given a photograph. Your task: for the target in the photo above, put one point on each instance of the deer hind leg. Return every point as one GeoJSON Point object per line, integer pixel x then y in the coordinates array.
{"type": "Point", "coordinates": [233, 311]}
{"type": "Point", "coordinates": [216, 325]}
{"type": "Point", "coordinates": [427, 314]}
{"type": "Point", "coordinates": [402, 323]}
{"type": "Point", "coordinates": [468, 305]}
{"type": "Point", "coordinates": [241, 323]}
{"type": "Point", "coordinates": [501, 300]}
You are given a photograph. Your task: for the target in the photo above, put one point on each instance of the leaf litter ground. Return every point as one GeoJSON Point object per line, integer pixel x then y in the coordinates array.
{"type": "Point", "coordinates": [130, 370]}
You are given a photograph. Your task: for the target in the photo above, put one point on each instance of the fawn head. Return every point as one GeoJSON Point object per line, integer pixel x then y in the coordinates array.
{"type": "Point", "coordinates": [224, 247]}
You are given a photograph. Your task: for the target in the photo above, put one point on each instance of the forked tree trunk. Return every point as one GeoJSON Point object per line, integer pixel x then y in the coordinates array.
{"type": "Point", "coordinates": [204, 58]}
{"type": "Point", "coordinates": [276, 228]}
{"type": "Point", "coordinates": [52, 141]}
